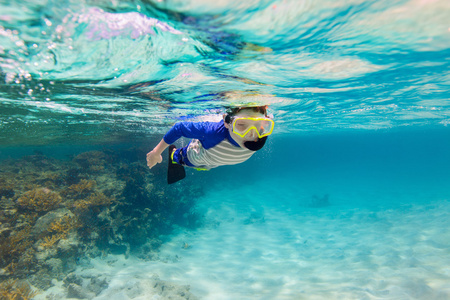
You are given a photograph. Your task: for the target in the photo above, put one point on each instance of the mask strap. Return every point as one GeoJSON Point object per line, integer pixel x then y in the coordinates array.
{"type": "Point", "coordinates": [230, 113]}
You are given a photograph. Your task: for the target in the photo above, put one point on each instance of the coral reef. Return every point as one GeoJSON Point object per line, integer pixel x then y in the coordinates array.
{"type": "Point", "coordinates": [14, 290]}
{"type": "Point", "coordinates": [49, 241]}
{"type": "Point", "coordinates": [39, 199]}
{"type": "Point", "coordinates": [14, 245]}
{"type": "Point", "coordinates": [53, 212]}
{"type": "Point", "coordinates": [96, 199]}
{"type": "Point", "coordinates": [59, 230]}
{"type": "Point", "coordinates": [81, 189]}
{"type": "Point", "coordinates": [93, 161]}
{"type": "Point", "coordinates": [6, 189]}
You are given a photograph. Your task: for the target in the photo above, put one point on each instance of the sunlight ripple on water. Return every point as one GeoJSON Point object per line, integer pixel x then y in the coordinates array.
{"type": "Point", "coordinates": [108, 68]}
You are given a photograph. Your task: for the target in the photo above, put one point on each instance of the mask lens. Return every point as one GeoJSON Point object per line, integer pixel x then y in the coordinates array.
{"type": "Point", "coordinates": [265, 126]}
{"type": "Point", "coordinates": [242, 126]}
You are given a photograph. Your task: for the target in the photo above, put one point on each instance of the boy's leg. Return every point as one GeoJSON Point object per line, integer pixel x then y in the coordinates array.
{"type": "Point", "coordinates": [180, 157]}
{"type": "Point", "coordinates": [177, 155]}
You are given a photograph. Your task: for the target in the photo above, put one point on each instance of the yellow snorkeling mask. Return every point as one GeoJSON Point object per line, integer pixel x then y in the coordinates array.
{"type": "Point", "coordinates": [262, 126]}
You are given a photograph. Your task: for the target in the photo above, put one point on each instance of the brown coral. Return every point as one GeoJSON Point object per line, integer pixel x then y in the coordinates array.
{"type": "Point", "coordinates": [64, 225]}
{"type": "Point", "coordinates": [94, 200]}
{"type": "Point", "coordinates": [81, 189]}
{"type": "Point", "coordinates": [81, 205]}
{"type": "Point", "coordinates": [92, 161]}
{"type": "Point", "coordinates": [15, 245]}
{"type": "Point", "coordinates": [59, 230]}
{"type": "Point", "coordinates": [14, 290]}
{"type": "Point", "coordinates": [50, 241]}
{"type": "Point", "coordinates": [100, 199]}
{"type": "Point", "coordinates": [51, 179]}
{"type": "Point", "coordinates": [40, 199]}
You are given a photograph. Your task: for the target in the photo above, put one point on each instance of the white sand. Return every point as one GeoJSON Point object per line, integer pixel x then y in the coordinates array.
{"type": "Point", "coordinates": [264, 248]}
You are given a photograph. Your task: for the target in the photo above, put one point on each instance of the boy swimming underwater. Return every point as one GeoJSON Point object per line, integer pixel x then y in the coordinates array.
{"type": "Point", "coordinates": [230, 141]}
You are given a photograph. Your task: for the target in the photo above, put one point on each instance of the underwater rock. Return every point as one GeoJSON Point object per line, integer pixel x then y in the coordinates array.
{"type": "Point", "coordinates": [42, 279]}
{"type": "Point", "coordinates": [97, 285]}
{"type": "Point", "coordinates": [45, 254]}
{"type": "Point", "coordinates": [69, 245]}
{"type": "Point", "coordinates": [72, 278]}
{"type": "Point", "coordinates": [43, 223]}
{"type": "Point", "coordinates": [78, 292]}
{"type": "Point", "coordinates": [84, 288]}
{"type": "Point", "coordinates": [55, 265]}
{"type": "Point", "coordinates": [172, 291]}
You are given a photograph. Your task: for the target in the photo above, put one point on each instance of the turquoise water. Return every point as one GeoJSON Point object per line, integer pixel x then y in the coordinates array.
{"type": "Point", "coordinates": [349, 199]}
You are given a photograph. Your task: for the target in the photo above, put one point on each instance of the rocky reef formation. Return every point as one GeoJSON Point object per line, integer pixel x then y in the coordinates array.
{"type": "Point", "coordinates": [56, 212]}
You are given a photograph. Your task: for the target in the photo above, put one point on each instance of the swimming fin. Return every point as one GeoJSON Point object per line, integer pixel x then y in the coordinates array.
{"type": "Point", "coordinates": [175, 172]}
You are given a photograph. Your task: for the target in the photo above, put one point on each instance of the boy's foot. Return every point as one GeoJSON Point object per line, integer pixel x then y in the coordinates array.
{"type": "Point", "coordinates": [175, 171]}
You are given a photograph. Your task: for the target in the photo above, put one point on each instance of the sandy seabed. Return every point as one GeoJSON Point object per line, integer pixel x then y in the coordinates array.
{"type": "Point", "coordinates": [264, 248]}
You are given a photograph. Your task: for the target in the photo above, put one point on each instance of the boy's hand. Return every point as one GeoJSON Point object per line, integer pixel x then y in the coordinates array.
{"type": "Point", "coordinates": [153, 158]}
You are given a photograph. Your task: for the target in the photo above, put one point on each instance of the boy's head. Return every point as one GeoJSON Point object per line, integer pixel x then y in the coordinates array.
{"type": "Point", "coordinates": [249, 126]}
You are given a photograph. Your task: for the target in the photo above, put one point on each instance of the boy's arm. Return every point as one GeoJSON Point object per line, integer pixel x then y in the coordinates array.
{"type": "Point", "coordinates": [192, 130]}
{"type": "Point", "coordinates": [183, 129]}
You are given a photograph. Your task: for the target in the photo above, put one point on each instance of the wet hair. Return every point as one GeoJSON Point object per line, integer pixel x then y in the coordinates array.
{"type": "Point", "coordinates": [234, 110]}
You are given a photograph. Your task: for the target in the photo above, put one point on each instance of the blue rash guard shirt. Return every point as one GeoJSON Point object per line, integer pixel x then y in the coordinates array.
{"type": "Point", "coordinates": [212, 145]}
{"type": "Point", "coordinates": [208, 133]}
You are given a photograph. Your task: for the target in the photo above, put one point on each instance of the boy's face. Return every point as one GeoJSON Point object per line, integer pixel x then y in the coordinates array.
{"type": "Point", "coordinates": [252, 135]}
